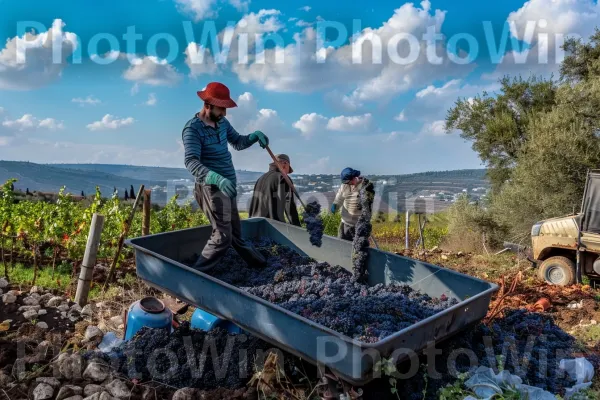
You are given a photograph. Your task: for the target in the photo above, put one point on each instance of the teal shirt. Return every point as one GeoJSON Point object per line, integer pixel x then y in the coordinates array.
{"type": "Point", "coordinates": [206, 148]}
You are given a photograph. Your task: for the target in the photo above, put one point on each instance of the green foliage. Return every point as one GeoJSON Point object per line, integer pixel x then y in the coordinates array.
{"type": "Point", "coordinates": [549, 178]}
{"type": "Point", "coordinates": [583, 59]}
{"type": "Point", "coordinates": [63, 225]}
{"type": "Point", "coordinates": [539, 139]}
{"type": "Point", "coordinates": [497, 126]}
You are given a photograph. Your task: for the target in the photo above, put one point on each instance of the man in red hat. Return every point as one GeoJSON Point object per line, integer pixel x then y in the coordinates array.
{"type": "Point", "coordinates": [207, 157]}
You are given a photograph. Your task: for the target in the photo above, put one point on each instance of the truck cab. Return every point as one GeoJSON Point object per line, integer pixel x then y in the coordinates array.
{"type": "Point", "coordinates": [558, 243]}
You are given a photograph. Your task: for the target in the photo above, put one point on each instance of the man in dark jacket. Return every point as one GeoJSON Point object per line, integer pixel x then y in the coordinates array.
{"type": "Point", "coordinates": [273, 197]}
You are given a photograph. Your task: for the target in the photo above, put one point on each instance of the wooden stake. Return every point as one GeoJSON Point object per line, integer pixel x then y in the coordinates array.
{"type": "Point", "coordinates": [89, 260]}
{"type": "Point", "coordinates": [122, 238]}
{"type": "Point", "coordinates": [146, 213]}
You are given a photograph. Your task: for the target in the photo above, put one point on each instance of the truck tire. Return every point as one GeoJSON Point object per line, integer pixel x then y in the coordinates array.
{"type": "Point", "coordinates": [557, 271]}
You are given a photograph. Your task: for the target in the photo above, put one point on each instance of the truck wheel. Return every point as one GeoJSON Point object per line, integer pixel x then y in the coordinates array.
{"type": "Point", "coordinates": [557, 271]}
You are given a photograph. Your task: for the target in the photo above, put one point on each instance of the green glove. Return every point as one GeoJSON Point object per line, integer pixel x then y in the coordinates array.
{"type": "Point", "coordinates": [260, 137]}
{"type": "Point", "coordinates": [224, 184]}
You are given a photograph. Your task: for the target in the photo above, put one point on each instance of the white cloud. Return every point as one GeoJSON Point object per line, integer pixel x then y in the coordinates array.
{"type": "Point", "coordinates": [432, 103]}
{"type": "Point", "coordinates": [303, 24]}
{"type": "Point", "coordinates": [152, 100]}
{"type": "Point", "coordinates": [109, 122]}
{"type": "Point", "coordinates": [309, 124]}
{"type": "Point", "coordinates": [247, 117]}
{"type": "Point", "coordinates": [6, 140]}
{"type": "Point", "coordinates": [197, 9]}
{"type": "Point", "coordinates": [435, 128]}
{"type": "Point", "coordinates": [543, 25]}
{"type": "Point", "coordinates": [356, 123]}
{"type": "Point", "coordinates": [38, 67]}
{"type": "Point", "coordinates": [135, 89]}
{"type": "Point", "coordinates": [51, 124]}
{"type": "Point", "coordinates": [200, 61]}
{"type": "Point", "coordinates": [152, 71]}
{"type": "Point", "coordinates": [91, 100]}
{"type": "Point", "coordinates": [373, 81]}
{"type": "Point", "coordinates": [400, 117]}
{"type": "Point", "coordinates": [305, 8]}
{"type": "Point", "coordinates": [240, 5]}
{"type": "Point", "coordinates": [28, 122]}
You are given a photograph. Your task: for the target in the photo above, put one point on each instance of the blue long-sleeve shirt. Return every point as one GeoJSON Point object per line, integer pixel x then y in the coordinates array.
{"type": "Point", "coordinates": [206, 148]}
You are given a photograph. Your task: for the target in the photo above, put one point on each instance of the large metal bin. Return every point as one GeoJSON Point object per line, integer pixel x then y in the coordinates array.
{"type": "Point", "coordinates": [159, 256]}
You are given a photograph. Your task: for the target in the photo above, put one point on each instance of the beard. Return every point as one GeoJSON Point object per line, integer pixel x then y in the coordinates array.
{"type": "Point", "coordinates": [213, 117]}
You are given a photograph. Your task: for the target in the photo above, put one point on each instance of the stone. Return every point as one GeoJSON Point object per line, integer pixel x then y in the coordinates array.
{"type": "Point", "coordinates": [63, 314]}
{"type": "Point", "coordinates": [43, 391]}
{"type": "Point", "coordinates": [460, 254]}
{"type": "Point", "coordinates": [32, 300]}
{"type": "Point", "coordinates": [74, 398]}
{"type": "Point", "coordinates": [28, 308]}
{"type": "Point", "coordinates": [55, 383]}
{"type": "Point", "coordinates": [116, 320]}
{"type": "Point", "coordinates": [34, 289]}
{"type": "Point", "coordinates": [54, 301]}
{"type": "Point", "coordinates": [96, 372]}
{"type": "Point", "coordinates": [444, 257]}
{"type": "Point", "coordinates": [1, 292]}
{"type": "Point", "coordinates": [42, 325]}
{"type": "Point", "coordinates": [186, 394]}
{"type": "Point", "coordinates": [87, 310]}
{"type": "Point", "coordinates": [92, 389]}
{"type": "Point", "coordinates": [63, 307]}
{"type": "Point", "coordinates": [70, 366]}
{"type": "Point", "coordinates": [76, 307]}
{"type": "Point", "coordinates": [95, 396]}
{"type": "Point", "coordinates": [42, 312]}
{"type": "Point", "coordinates": [30, 314]}
{"type": "Point", "coordinates": [44, 299]}
{"type": "Point", "coordinates": [93, 332]}
{"type": "Point", "coordinates": [105, 396]}
{"type": "Point", "coordinates": [118, 389]}
{"type": "Point", "coordinates": [3, 283]}
{"type": "Point", "coordinates": [68, 391]}
{"type": "Point", "coordinates": [9, 298]}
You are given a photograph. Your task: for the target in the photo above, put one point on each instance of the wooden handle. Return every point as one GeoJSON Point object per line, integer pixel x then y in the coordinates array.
{"type": "Point", "coordinates": [285, 176]}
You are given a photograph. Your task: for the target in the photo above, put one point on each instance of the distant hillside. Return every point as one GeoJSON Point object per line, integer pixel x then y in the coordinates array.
{"type": "Point", "coordinates": [46, 178]}
{"type": "Point", "coordinates": [160, 174]}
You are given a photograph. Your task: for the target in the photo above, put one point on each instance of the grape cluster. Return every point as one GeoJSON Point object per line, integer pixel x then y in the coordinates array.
{"type": "Point", "coordinates": [363, 232]}
{"type": "Point", "coordinates": [314, 223]}
{"type": "Point", "coordinates": [329, 295]}
{"type": "Point", "coordinates": [191, 358]}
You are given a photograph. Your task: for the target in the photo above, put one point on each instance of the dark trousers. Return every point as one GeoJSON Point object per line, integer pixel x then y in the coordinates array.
{"type": "Point", "coordinates": [222, 212]}
{"type": "Point", "coordinates": [346, 232]}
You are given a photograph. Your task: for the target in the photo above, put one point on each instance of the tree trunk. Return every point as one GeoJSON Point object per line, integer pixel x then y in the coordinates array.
{"type": "Point", "coordinates": [3, 258]}
{"type": "Point", "coordinates": [54, 261]}
{"type": "Point", "coordinates": [12, 253]}
{"type": "Point", "coordinates": [35, 266]}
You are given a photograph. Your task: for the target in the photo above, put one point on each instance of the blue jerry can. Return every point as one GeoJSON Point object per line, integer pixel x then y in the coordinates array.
{"type": "Point", "coordinates": [206, 321]}
{"type": "Point", "coordinates": [149, 312]}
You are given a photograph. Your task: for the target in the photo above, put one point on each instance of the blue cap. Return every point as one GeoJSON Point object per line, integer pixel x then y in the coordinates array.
{"type": "Point", "coordinates": [348, 174]}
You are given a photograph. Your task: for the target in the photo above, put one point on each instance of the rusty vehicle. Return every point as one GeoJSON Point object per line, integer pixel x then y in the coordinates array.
{"type": "Point", "coordinates": [567, 248]}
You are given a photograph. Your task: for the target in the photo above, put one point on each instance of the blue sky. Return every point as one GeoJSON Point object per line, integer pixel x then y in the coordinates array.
{"type": "Point", "coordinates": [382, 117]}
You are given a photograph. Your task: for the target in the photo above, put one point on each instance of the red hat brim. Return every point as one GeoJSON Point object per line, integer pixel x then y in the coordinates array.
{"type": "Point", "coordinates": [225, 103]}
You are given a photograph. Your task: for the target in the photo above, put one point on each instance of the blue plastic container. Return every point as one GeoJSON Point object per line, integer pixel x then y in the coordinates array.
{"type": "Point", "coordinates": [149, 312]}
{"type": "Point", "coordinates": [207, 321]}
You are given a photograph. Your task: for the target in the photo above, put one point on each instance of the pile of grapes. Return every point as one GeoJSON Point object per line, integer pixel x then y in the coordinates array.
{"type": "Point", "coordinates": [192, 358]}
{"type": "Point", "coordinates": [328, 294]}
{"type": "Point", "coordinates": [532, 344]}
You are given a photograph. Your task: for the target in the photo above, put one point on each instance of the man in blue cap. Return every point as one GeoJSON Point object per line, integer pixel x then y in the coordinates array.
{"type": "Point", "coordinates": [348, 198]}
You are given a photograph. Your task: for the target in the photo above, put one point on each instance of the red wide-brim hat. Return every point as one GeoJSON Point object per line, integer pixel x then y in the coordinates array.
{"type": "Point", "coordinates": [217, 94]}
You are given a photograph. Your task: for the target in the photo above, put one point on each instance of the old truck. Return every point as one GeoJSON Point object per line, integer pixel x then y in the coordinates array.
{"type": "Point", "coordinates": [567, 248]}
